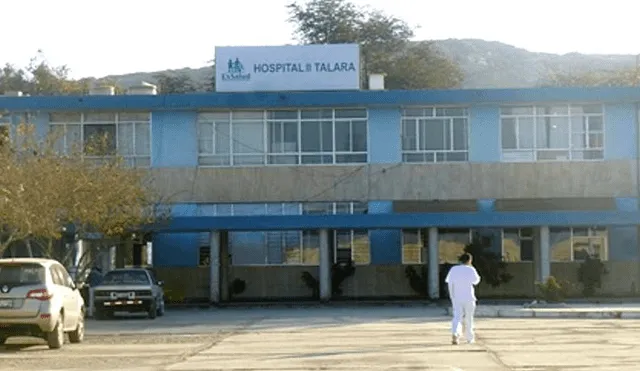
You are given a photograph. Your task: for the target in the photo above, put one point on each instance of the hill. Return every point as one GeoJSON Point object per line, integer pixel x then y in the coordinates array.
{"type": "Point", "coordinates": [486, 64]}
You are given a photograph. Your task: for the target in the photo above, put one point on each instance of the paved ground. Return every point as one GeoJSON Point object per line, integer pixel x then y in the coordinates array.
{"type": "Point", "coordinates": [378, 338]}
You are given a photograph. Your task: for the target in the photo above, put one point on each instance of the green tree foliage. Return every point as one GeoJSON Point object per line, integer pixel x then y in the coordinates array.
{"type": "Point", "coordinates": [178, 83]}
{"type": "Point", "coordinates": [42, 191]}
{"type": "Point", "coordinates": [385, 43]}
{"type": "Point", "coordinates": [41, 78]}
{"type": "Point", "coordinates": [612, 78]}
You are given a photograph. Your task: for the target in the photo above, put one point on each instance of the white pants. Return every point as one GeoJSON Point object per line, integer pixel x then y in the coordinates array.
{"type": "Point", "coordinates": [463, 313]}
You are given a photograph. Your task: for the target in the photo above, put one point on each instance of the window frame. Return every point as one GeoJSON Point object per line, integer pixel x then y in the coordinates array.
{"type": "Point", "coordinates": [521, 238]}
{"type": "Point", "coordinates": [591, 234]}
{"type": "Point", "coordinates": [420, 121]}
{"type": "Point", "coordinates": [134, 159]}
{"type": "Point", "coordinates": [299, 155]}
{"type": "Point", "coordinates": [534, 154]}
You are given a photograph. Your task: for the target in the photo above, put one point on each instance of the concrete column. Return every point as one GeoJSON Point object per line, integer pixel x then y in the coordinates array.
{"type": "Point", "coordinates": [214, 267]}
{"type": "Point", "coordinates": [111, 258]}
{"type": "Point", "coordinates": [325, 266]}
{"type": "Point", "coordinates": [79, 254]}
{"type": "Point", "coordinates": [544, 264]}
{"type": "Point", "coordinates": [149, 247]}
{"type": "Point", "coordinates": [434, 265]}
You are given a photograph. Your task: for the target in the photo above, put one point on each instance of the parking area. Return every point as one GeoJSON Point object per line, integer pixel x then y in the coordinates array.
{"type": "Point", "coordinates": [371, 338]}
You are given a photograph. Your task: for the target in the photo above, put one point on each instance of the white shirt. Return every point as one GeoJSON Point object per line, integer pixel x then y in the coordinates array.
{"type": "Point", "coordinates": [462, 279]}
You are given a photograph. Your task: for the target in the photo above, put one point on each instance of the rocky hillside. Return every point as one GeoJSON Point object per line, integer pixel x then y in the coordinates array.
{"type": "Point", "coordinates": [486, 64]}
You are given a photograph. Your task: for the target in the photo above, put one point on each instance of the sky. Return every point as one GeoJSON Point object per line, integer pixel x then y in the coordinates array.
{"type": "Point", "coordinates": [98, 38]}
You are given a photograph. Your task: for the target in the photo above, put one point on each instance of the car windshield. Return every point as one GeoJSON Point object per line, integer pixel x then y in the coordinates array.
{"type": "Point", "coordinates": [21, 274]}
{"type": "Point", "coordinates": [126, 278]}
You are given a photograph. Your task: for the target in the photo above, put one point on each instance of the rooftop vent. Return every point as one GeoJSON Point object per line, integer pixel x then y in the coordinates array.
{"type": "Point", "coordinates": [102, 90]}
{"type": "Point", "coordinates": [12, 93]}
{"type": "Point", "coordinates": [376, 81]}
{"type": "Point", "coordinates": [144, 88]}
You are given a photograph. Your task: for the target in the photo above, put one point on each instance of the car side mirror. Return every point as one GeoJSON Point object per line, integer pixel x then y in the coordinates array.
{"type": "Point", "coordinates": [160, 283]}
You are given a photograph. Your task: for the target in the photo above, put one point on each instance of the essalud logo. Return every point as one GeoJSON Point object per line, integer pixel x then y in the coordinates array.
{"type": "Point", "coordinates": [235, 71]}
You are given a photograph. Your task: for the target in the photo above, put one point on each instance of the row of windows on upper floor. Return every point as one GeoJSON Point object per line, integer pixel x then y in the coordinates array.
{"type": "Point", "coordinates": [340, 136]}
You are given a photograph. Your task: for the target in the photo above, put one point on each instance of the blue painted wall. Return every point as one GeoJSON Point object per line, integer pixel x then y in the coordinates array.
{"type": "Point", "coordinates": [623, 241]}
{"type": "Point", "coordinates": [177, 249]}
{"type": "Point", "coordinates": [174, 139]}
{"type": "Point", "coordinates": [484, 134]}
{"type": "Point", "coordinates": [620, 132]}
{"type": "Point", "coordinates": [385, 142]}
{"type": "Point", "coordinates": [385, 244]}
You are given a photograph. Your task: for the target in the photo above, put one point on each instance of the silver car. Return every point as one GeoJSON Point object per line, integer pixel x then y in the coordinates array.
{"type": "Point", "coordinates": [38, 298]}
{"type": "Point", "coordinates": [129, 290]}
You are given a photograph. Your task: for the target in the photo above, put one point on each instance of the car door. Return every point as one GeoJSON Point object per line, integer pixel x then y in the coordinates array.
{"type": "Point", "coordinates": [62, 287]}
{"type": "Point", "coordinates": [75, 299]}
{"type": "Point", "coordinates": [155, 288]}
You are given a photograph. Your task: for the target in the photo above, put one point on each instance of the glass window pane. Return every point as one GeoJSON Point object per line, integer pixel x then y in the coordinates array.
{"type": "Point", "coordinates": [560, 244]}
{"type": "Point", "coordinates": [100, 139]}
{"type": "Point", "coordinates": [134, 117]}
{"type": "Point", "coordinates": [73, 136]}
{"type": "Point", "coordinates": [274, 132]}
{"type": "Point", "coordinates": [409, 135]}
{"type": "Point", "coordinates": [343, 136]}
{"type": "Point", "coordinates": [596, 140]}
{"type": "Point", "coordinates": [290, 137]}
{"type": "Point", "coordinates": [552, 132]}
{"type": "Point", "coordinates": [316, 114]}
{"type": "Point", "coordinates": [552, 110]}
{"type": "Point", "coordinates": [359, 132]}
{"type": "Point", "coordinates": [578, 141]}
{"type": "Point", "coordinates": [578, 124]}
{"type": "Point", "coordinates": [350, 113]}
{"type": "Point", "coordinates": [222, 134]}
{"type": "Point", "coordinates": [460, 141]}
{"type": "Point", "coordinates": [526, 131]}
{"type": "Point", "coordinates": [100, 117]}
{"type": "Point", "coordinates": [327, 136]}
{"type": "Point", "coordinates": [433, 134]}
{"type": "Point", "coordinates": [595, 123]}
{"type": "Point", "coordinates": [509, 136]}
{"type": "Point", "coordinates": [311, 136]}
{"type": "Point", "coordinates": [143, 140]}
{"type": "Point", "coordinates": [517, 110]}
{"type": "Point", "coordinates": [247, 115]}
{"type": "Point", "coordinates": [282, 115]}
{"type": "Point", "coordinates": [511, 246]}
{"type": "Point", "coordinates": [311, 247]}
{"type": "Point", "coordinates": [125, 139]}
{"type": "Point", "coordinates": [248, 137]}
{"type": "Point", "coordinates": [64, 117]}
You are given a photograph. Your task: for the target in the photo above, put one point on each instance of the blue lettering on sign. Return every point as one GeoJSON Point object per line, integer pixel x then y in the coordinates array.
{"type": "Point", "coordinates": [235, 71]}
{"type": "Point", "coordinates": [289, 67]}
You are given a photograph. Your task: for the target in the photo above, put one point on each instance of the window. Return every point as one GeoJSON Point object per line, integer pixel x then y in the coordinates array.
{"type": "Point", "coordinates": [435, 134]}
{"type": "Point", "coordinates": [204, 256]}
{"type": "Point", "coordinates": [99, 134]}
{"type": "Point", "coordinates": [413, 248]}
{"type": "Point", "coordinates": [292, 247]}
{"type": "Point", "coordinates": [517, 244]}
{"type": "Point", "coordinates": [575, 244]}
{"type": "Point", "coordinates": [282, 137]}
{"type": "Point", "coordinates": [552, 132]}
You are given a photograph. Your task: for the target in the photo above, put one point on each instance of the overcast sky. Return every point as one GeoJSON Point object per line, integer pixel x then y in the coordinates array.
{"type": "Point", "coordinates": [97, 38]}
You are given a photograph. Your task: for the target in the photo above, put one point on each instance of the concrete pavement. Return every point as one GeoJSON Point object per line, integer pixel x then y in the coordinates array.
{"type": "Point", "coordinates": [371, 338]}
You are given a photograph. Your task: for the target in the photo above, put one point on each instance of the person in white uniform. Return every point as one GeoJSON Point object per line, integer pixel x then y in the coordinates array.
{"type": "Point", "coordinates": [461, 280]}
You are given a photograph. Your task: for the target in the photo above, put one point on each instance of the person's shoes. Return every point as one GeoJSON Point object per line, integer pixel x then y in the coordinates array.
{"type": "Point", "coordinates": [472, 341]}
{"type": "Point", "coordinates": [455, 340]}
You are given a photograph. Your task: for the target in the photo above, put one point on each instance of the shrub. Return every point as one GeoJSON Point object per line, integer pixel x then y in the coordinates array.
{"type": "Point", "coordinates": [550, 291]}
{"type": "Point", "coordinates": [590, 275]}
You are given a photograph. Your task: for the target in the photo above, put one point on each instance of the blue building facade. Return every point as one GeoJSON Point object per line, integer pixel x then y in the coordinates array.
{"type": "Point", "coordinates": [465, 161]}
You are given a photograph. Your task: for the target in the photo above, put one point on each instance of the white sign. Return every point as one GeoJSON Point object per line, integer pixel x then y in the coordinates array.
{"type": "Point", "coordinates": [288, 68]}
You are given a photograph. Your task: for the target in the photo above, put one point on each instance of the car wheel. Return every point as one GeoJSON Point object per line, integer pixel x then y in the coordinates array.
{"type": "Point", "coordinates": [161, 308]}
{"type": "Point", "coordinates": [55, 339]}
{"type": "Point", "coordinates": [153, 311]}
{"type": "Point", "coordinates": [77, 336]}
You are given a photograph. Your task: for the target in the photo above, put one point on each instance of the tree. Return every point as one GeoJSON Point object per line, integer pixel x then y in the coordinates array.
{"type": "Point", "coordinates": [41, 78]}
{"type": "Point", "coordinates": [618, 78]}
{"type": "Point", "coordinates": [178, 83]}
{"type": "Point", "coordinates": [42, 191]}
{"type": "Point", "coordinates": [384, 41]}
